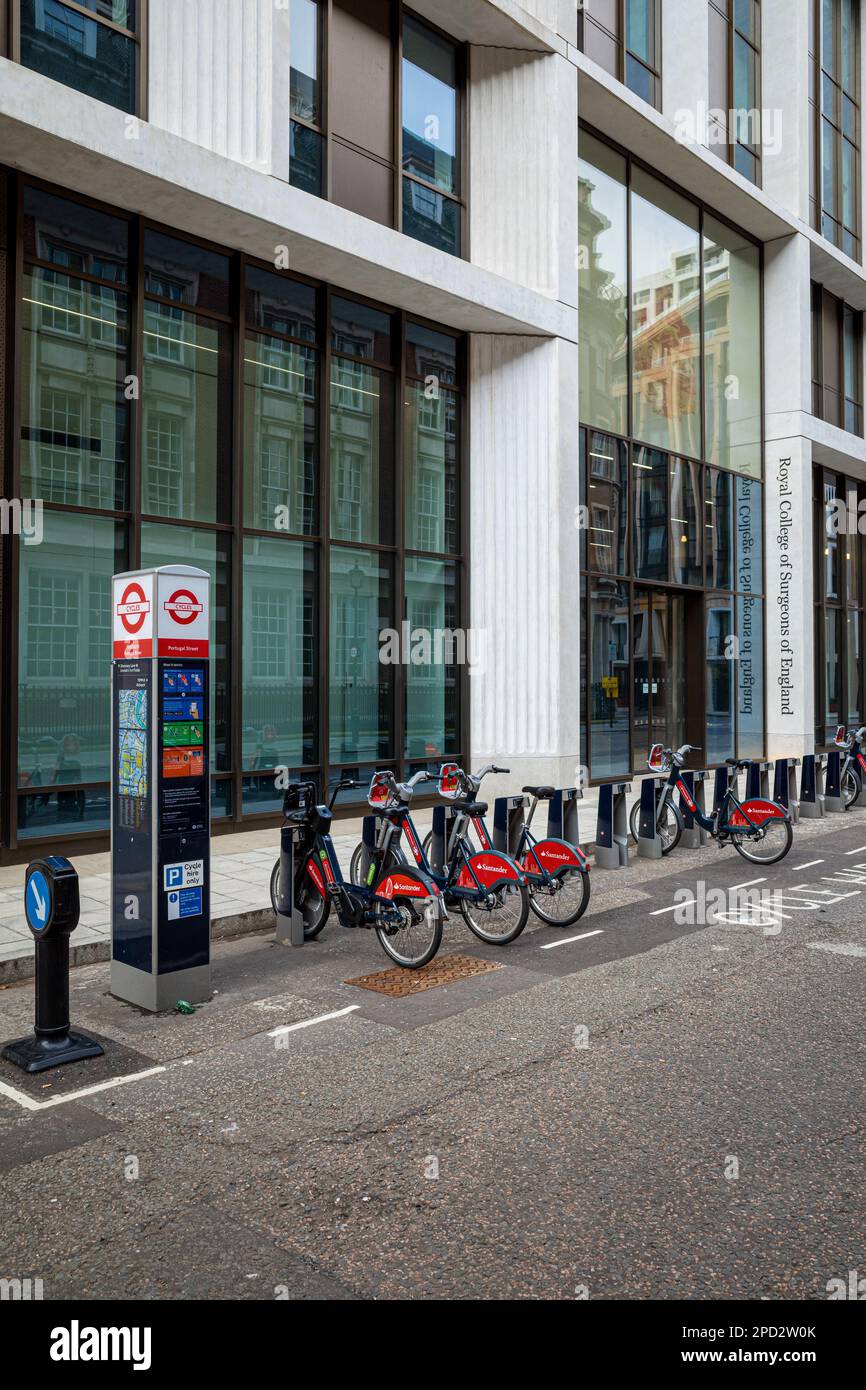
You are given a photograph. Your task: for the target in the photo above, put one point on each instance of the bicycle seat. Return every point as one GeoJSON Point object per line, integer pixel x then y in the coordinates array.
{"type": "Point", "coordinates": [543, 793]}
{"type": "Point", "coordinates": [473, 808]}
{"type": "Point", "coordinates": [297, 817]}
{"type": "Point", "coordinates": [737, 762]}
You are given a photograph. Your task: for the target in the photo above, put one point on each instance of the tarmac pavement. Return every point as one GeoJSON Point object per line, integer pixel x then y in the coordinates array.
{"type": "Point", "coordinates": [641, 1106]}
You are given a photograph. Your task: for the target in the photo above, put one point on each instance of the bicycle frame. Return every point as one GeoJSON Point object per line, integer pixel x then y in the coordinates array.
{"type": "Point", "coordinates": [463, 878]}
{"type": "Point", "coordinates": [543, 861]}
{"type": "Point", "coordinates": [746, 818]}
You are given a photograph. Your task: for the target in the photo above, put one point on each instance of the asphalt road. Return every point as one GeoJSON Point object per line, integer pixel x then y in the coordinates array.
{"type": "Point", "coordinates": [663, 1109]}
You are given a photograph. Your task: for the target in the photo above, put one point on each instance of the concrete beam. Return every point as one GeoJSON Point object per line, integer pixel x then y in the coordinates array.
{"type": "Point", "coordinates": [56, 134]}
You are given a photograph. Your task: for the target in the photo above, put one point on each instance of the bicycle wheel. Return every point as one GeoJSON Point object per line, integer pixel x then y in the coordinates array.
{"type": "Point", "coordinates": [669, 829]}
{"type": "Point", "coordinates": [851, 787]}
{"type": "Point", "coordinates": [418, 936]}
{"type": "Point", "coordinates": [355, 874]}
{"type": "Point", "coordinates": [563, 901]}
{"type": "Point", "coordinates": [767, 847]}
{"type": "Point", "coordinates": [308, 900]}
{"type": "Point", "coordinates": [501, 917]}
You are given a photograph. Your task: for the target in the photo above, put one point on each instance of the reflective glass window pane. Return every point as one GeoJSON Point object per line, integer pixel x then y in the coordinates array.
{"type": "Point", "coordinates": [429, 106]}
{"type": "Point", "coordinates": [732, 348]}
{"type": "Point", "coordinates": [360, 330]}
{"type": "Point", "coordinates": [719, 679]}
{"type": "Point", "coordinates": [749, 577]}
{"type": "Point", "coordinates": [74, 416]}
{"type": "Point", "coordinates": [75, 237]}
{"type": "Point", "coordinates": [64, 661]}
{"type": "Point", "coordinates": [437, 652]}
{"type": "Point", "coordinates": [640, 80]}
{"type": "Point", "coordinates": [603, 300]}
{"type": "Point", "coordinates": [431, 355]}
{"type": "Point", "coordinates": [304, 52]}
{"type": "Point", "coordinates": [850, 76]}
{"type": "Point", "coordinates": [361, 686]}
{"type": "Point", "coordinates": [362, 453]}
{"type": "Point", "coordinates": [606, 502]}
{"type": "Point", "coordinates": [686, 523]}
{"type": "Point", "coordinates": [206, 550]}
{"type": "Point", "coordinates": [65, 45]}
{"type": "Point", "coordinates": [640, 29]}
{"type": "Point", "coordinates": [186, 405]}
{"type": "Point", "coordinates": [750, 676]}
{"type": "Point", "coordinates": [718, 527]}
{"type": "Point", "coordinates": [853, 546]}
{"type": "Point", "coordinates": [609, 706]}
{"type": "Point", "coordinates": [186, 273]}
{"type": "Point", "coordinates": [650, 483]}
{"type": "Point", "coordinates": [278, 662]}
{"type": "Point", "coordinates": [746, 18]}
{"type": "Point", "coordinates": [431, 426]}
{"type": "Point", "coordinates": [306, 159]}
{"type": "Point", "coordinates": [431, 217]}
{"type": "Point", "coordinates": [279, 304]}
{"type": "Point", "coordinates": [281, 450]}
{"type": "Point", "coordinates": [745, 90]}
{"type": "Point", "coordinates": [665, 253]}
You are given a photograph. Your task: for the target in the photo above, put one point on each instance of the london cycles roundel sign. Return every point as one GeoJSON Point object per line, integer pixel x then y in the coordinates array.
{"type": "Point", "coordinates": [132, 633]}
{"type": "Point", "coordinates": [182, 618]}
{"type": "Point", "coordinates": [182, 607]}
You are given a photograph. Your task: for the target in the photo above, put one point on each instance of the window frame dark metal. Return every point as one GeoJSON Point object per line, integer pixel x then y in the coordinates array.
{"type": "Point", "coordinates": [138, 36]}
{"type": "Point", "coordinates": [816, 101]}
{"type": "Point", "coordinates": [622, 49]}
{"type": "Point", "coordinates": [631, 444]}
{"type": "Point", "coordinates": [12, 847]}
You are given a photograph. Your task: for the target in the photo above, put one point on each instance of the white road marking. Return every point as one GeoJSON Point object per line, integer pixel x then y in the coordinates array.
{"type": "Point", "coordinates": [308, 1022]}
{"type": "Point", "coordinates": [811, 864]}
{"type": "Point", "coordinates": [28, 1103]}
{"type": "Point", "coordinates": [567, 940]}
{"type": "Point", "coordinates": [856, 851]}
{"type": "Point", "coordinates": [837, 948]}
{"type": "Point", "coordinates": [673, 907]}
{"type": "Point", "coordinates": [750, 884]}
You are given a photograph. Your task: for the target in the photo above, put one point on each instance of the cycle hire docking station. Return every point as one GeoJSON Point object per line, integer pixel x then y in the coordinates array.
{"type": "Point", "coordinates": [160, 787]}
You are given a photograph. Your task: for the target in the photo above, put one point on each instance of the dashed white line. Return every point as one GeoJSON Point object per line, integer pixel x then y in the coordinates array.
{"type": "Point", "coordinates": [811, 864]}
{"type": "Point", "coordinates": [750, 884]}
{"type": "Point", "coordinates": [856, 851]}
{"type": "Point", "coordinates": [308, 1022]}
{"type": "Point", "coordinates": [673, 907]}
{"type": "Point", "coordinates": [28, 1103]}
{"type": "Point", "coordinates": [567, 940]}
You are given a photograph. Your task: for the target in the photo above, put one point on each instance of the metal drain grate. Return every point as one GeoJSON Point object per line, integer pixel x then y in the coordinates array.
{"type": "Point", "coordinates": [442, 970]}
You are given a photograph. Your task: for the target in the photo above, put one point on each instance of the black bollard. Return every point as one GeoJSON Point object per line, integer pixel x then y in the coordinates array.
{"type": "Point", "coordinates": [51, 906]}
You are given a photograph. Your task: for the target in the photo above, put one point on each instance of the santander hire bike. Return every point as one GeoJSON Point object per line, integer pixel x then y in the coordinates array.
{"type": "Point", "coordinates": [758, 829]}
{"type": "Point", "coordinates": [488, 887]}
{"type": "Point", "coordinates": [400, 902]}
{"type": "Point", "coordinates": [853, 767]}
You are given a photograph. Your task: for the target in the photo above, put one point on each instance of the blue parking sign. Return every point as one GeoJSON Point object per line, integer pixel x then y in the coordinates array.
{"type": "Point", "coordinates": [173, 876]}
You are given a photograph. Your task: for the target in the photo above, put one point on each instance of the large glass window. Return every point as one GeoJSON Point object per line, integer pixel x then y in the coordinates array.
{"type": "Point", "coordinates": [91, 46]}
{"type": "Point", "coordinates": [279, 663]}
{"type": "Point", "coordinates": [834, 41]}
{"type": "Point", "coordinates": [623, 37]}
{"type": "Point", "coordinates": [602, 273]}
{"type": "Point", "coordinates": [337, 635]}
{"type": "Point", "coordinates": [436, 653]}
{"type": "Point", "coordinates": [75, 354]}
{"type": "Point", "coordinates": [839, 504]}
{"type": "Point", "coordinates": [735, 84]}
{"type": "Point", "coordinates": [681, 544]}
{"type": "Point", "coordinates": [837, 361]}
{"type": "Point", "coordinates": [732, 348]}
{"type": "Point", "coordinates": [187, 383]}
{"type": "Point", "coordinates": [665, 329]}
{"type": "Point", "coordinates": [361, 695]}
{"type": "Point", "coordinates": [430, 121]}
{"type": "Point", "coordinates": [64, 651]}
{"type": "Point", "coordinates": [306, 162]}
